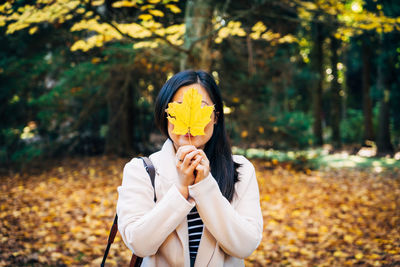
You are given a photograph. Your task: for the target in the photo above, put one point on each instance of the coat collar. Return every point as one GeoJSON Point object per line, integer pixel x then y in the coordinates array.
{"type": "Point", "coordinates": [164, 161]}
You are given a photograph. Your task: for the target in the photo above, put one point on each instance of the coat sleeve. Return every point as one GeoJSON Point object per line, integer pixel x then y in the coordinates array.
{"type": "Point", "coordinates": [143, 224]}
{"type": "Point", "coordinates": [237, 228]}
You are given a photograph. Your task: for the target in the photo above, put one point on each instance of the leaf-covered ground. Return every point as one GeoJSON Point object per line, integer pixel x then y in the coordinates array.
{"type": "Point", "coordinates": [61, 216]}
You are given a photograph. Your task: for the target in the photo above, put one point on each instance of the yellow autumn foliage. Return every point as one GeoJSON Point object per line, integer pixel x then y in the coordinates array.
{"type": "Point", "coordinates": [60, 11]}
{"type": "Point", "coordinates": [173, 8]}
{"type": "Point", "coordinates": [156, 13]}
{"type": "Point", "coordinates": [124, 3]}
{"type": "Point", "coordinates": [352, 17]}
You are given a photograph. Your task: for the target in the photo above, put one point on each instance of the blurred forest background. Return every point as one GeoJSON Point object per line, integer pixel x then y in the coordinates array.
{"type": "Point", "coordinates": [311, 91]}
{"type": "Point", "coordinates": [81, 77]}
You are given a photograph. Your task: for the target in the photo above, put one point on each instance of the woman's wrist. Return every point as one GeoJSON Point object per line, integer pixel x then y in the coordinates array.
{"type": "Point", "coordinates": [184, 190]}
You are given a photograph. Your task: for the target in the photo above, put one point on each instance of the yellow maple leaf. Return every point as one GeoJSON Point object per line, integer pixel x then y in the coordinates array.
{"type": "Point", "coordinates": [189, 116]}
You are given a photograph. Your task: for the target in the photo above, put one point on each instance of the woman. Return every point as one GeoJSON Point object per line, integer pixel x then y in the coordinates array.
{"type": "Point", "coordinates": [207, 211]}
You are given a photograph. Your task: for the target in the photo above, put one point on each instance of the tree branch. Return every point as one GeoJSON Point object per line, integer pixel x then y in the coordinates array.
{"type": "Point", "coordinates": [154, 36]}
{"type": "Point", "coordinates": [242, 14]}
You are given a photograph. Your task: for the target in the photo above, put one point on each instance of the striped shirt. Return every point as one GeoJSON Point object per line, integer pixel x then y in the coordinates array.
{"type": "Point", "coordinates": [195, 227]}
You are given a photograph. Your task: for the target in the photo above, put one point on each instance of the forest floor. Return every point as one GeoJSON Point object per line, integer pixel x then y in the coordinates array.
{"type": "Point", "coordinates": [61, 216]}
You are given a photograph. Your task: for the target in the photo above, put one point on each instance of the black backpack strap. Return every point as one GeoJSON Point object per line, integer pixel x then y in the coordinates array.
{"type": "Point", "coordinates": [113, 232]}
{"type": "Point", "coordinates": [152, 172]}
{"type": "Point", "coordinates": [135, 261]}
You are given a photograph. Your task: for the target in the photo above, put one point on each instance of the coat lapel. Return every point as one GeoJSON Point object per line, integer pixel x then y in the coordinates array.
{"type": "Point", "coordinates": [165, 165]}
{"type": "Point", "coordinates": [182, 231]}
{"type": "Point", "coordinates": [206, 249]}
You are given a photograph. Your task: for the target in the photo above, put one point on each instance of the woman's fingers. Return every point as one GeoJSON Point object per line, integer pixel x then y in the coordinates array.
{"type": "Point", "coordinates": [194, 164]}
{"type": "Point", "coordinates": [203, 153]}
{"type": "Point", "coordinates": [182, 151]}
{"type": "Point", "coordinates": [188, 158]}
{"type": "Point", "coordinates": [203, 168]}
{"type": "Point", "coordinates": [205, 160]}
{"type": "Point", "coordinates": [199, 168]}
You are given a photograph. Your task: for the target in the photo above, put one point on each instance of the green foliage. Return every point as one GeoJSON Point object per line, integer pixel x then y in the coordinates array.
{"type": "Point", "coordinates": [9, 139]}
{"type": "Point", "coordinates": [352, 127]}
{"type": "Point", "coordinates": [319, 159]}
{"type": "Point", "coordinates": [268, 107]}
{"type": "Point", "coordinates": [18, 148]}
{"type": "Point", "coordinates": [293, 129]}
{"type": "Point", "coordinates": [22, 76]}
{"type": "Point", "coordinates": [297, 159]}
{"type": "Point", "coordinates": [50, 89]}
{"type": "Point", "coordinates": [26, 154]}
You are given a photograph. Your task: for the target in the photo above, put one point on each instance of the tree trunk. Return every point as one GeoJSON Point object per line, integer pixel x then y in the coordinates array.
{"type": "Point", "coordinates": [250, 59]}
{"type": "Point", "coordinates": [120, 117]}
{"type": "Point", "coordinates": [198, 15]}
{"type": "Point", "coordinates": [335, 94]}
{"type": "Point", "coordinates": [384, 145]}
{"type": "Point", "coordinates": [345, 90]}
{"type": "Point", "coordinates": [366, 85]}
{"type": "Point", "coordinates": [120, 105]}
{"type": "Point", "coordinates": [317, 92]}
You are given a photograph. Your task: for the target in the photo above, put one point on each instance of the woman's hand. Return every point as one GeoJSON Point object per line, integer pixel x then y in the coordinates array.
{"type": "Point", "coordinates": [187, 160]}
{"type": "Point", "coordinates": [203, 168]}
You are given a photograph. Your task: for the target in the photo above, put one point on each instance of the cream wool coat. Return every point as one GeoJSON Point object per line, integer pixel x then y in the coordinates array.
{"type": "Point", "coordinates": [158, 232]}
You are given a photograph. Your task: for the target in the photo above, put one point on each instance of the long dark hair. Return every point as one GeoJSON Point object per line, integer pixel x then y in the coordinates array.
{"type": "Point", "coordinates": [218, 148]}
